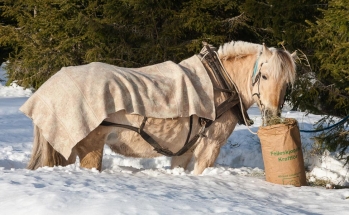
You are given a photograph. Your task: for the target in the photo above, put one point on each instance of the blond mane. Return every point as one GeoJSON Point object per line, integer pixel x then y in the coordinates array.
{"type": "Point", "coordinates": [238, 48]}
{"type": "Point", "coordinates": [281, 62]}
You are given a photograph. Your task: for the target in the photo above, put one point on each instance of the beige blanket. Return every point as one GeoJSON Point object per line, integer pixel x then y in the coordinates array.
{"type": "Point", "coordinates": [75, 100]}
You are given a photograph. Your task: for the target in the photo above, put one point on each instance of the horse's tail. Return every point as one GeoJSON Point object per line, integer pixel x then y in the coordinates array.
{"type": "Point", "coordinates": [43, 154]}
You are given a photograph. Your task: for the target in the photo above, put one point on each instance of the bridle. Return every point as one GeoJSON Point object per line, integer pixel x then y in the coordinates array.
{"type": "Point", "coordinates": [256, 78]}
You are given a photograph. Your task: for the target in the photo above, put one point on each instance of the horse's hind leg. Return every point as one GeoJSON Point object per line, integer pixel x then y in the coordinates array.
{"type": "Point", "coordinates": [43, 154]}
{"type": "Point", "coordinates": [90, 150]}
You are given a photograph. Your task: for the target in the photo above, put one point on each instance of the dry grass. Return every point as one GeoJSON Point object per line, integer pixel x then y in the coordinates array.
{"type": "Point", "coordinates": [324, 182]}
{"type": "Point", "coordinates": [275, 120]}
{"type": "Point", "coordinates": [318, 182]}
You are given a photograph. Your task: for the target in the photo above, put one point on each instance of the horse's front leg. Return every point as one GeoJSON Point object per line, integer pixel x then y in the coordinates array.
{"type": "Point", "coordinates": [205, 154]}
{"type": "Point", "coordinates": [183, 160]}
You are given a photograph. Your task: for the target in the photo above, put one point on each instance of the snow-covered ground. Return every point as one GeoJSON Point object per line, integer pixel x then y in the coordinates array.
{"type": "Point", "coordinates": [236, 185]}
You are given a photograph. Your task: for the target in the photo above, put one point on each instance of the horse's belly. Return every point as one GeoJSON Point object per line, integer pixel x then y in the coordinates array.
{"type": "Point", "coordinates": [168, 133]}
{"type": "Point", "coordinates": [129, 144]}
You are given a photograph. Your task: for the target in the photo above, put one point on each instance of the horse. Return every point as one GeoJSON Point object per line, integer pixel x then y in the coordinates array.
{"type": "Point", "coordinates": [259, 74]}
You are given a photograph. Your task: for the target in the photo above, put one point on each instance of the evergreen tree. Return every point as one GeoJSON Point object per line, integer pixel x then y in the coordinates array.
{"type": "Point", "coordinates": [325, 89]}
{"type": "Point", "coordinates": [148, 30]}
{"type": "Point", "coordinates": [283, 22]}
{"type": "Point", "coordinates": [48, 34]}
{"type": "Point", "coordinates": [331, 36]}
{"type": "Point", "coordinates": [5, 48]}
{"type": "Point", "coordinates": [162, 30]}
{"type": "Point", "coordinates": [215, 22]}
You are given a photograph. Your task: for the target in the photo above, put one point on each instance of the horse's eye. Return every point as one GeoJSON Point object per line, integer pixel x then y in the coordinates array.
{"type": "Point", "coordinates": [264, 77]}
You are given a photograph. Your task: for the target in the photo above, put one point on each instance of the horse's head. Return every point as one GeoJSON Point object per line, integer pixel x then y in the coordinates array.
{"type": "Point", "coordinates": [273, 70]}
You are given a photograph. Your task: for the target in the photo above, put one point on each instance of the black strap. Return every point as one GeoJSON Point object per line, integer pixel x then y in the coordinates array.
{"type": "Point", "coordinates": [223, 90]}
{"type": "Point", "coordinates": [226, 106]}
{"type": "Point", "coordinates": [190, 127]}
{"type": "Point", "coordinates": [211, 63]}
{"type": "Point", "coordinates": [159, 149]}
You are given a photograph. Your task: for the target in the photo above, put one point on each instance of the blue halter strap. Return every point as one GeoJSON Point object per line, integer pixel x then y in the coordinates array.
{"type": "Point", "coordinates": [255, 69]}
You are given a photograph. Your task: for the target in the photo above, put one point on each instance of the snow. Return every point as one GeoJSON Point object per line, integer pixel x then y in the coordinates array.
{"type": "Point", "coordinates": [235, 185]}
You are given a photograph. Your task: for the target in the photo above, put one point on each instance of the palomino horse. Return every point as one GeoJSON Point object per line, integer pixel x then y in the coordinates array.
{"type": "Point", "coordinates": [260, 76]}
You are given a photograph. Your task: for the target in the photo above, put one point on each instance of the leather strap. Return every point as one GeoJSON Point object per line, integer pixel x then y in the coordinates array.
{"type": "Point", "coordinates": [159, 149]}
{"type": "Point", "coordinates": [223, 84]}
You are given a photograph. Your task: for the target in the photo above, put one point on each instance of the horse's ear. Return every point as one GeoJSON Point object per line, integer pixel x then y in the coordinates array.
{"type": "Point", "coordinates": [294, 55]}
{"type": "Point", "coordinates": [266, 51]}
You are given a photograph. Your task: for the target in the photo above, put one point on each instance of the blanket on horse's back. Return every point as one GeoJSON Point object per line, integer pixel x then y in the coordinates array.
{"type": "Point", "coordinates": [74, 101]}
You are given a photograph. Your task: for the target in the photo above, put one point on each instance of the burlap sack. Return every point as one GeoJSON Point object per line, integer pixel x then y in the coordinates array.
{"type": "Point", "coordinates": [282, 153]}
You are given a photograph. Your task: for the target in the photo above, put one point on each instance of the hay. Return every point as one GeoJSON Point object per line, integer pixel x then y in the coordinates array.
{"type": "Point", "coordinates": [274, 120]}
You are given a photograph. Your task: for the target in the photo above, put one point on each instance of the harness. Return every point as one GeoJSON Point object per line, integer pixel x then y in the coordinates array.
{"type": "Point", "coordinates": [222, 83]}
{"type": "Point", "coordinates": [159, 149]}
{"type": "Point", "coordinates": [256, 77]}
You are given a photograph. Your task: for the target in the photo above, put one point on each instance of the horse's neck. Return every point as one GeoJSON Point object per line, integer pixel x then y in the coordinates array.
{"type": "Point", "coordinates": [240, 70]}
